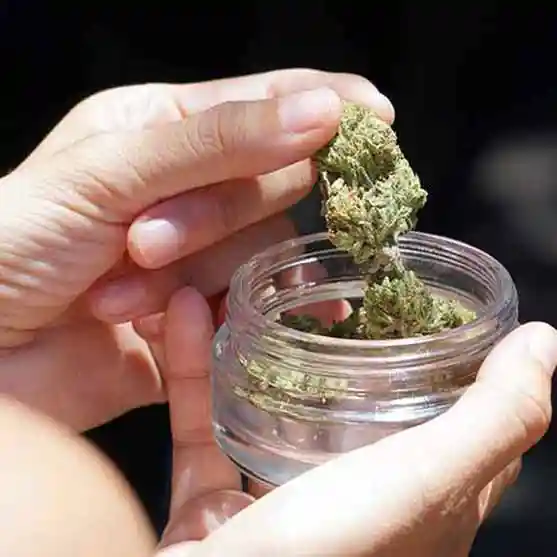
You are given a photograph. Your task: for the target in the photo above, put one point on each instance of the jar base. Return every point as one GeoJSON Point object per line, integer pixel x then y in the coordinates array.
{"type": "Point", "coordinates": [272, 469]}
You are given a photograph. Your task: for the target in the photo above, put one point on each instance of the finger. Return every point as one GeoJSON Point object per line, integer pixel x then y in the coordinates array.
{"type": "Point", "coordinates": [185, 549]}
{"type": "Point", "coordinates": [114, 383]}
{"type": "Point", "coordinates": [381, 491]}
{"type": "Point", "coordinates": [195, 220]}
{"type": "Point", "coordinates": [87, 195]}
{"type": "Point", "coordinates": [201, 96]}
{"type": "Point", "coordinates": [327, 312]}
{"type": "Point", "coordinates": [229, 141]}
{"type": "Point", "coordinates": [190, 222]}
{"type": "Point", "coordinates": [138, 107]}
{"type": "Point", "coordinates": [200, 470]}
{"type": "Point", "coordinates": [505, 412]}
{"type": "Point", "coordinates": [203, 515]}
{"type": "Point", "coordinates": [151, 329]}
{"type": "Point", "coordinates": [147, 292]}
{"type": "Point", "coordinates": [258, 489]}
{"type": "Point", "coordinates": [494, 491]}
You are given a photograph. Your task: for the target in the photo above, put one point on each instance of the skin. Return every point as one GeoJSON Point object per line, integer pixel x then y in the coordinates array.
{"type": "Point", "coordinates": [60, 497]}
{"type": "Point", "coordinates": [89, 202]}
{"type": "Point", "coordinates": [423, 492]}
{"type": "Point", "coordinates": [75, 244]}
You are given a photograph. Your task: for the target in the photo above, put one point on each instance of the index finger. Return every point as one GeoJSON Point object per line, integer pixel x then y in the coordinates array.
{"type": "Point", "coordinates": [197, 97]}
{"type": "Point", "coordinates": [137, 107]}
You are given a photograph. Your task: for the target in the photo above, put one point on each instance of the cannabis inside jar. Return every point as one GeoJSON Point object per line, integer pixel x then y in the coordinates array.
{"type": "Point", "coordinates": [371, 197]}
{"type": "Point", "coordinates": [285, 400]}
{"type": "Point", "coordinates": [288, 398]}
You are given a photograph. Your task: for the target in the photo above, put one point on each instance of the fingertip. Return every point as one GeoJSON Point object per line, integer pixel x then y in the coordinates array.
{"type": "Point", "coordinates": [507, 410]}
{"type": "Point", "coordinates": [384, 108]}
{"type": "Point", "coordinates": [358, 89]}
{"type": "Point", "coordinates": [306, 111]}
{"type": "Point", "coordinates": [349, 86]}
{"type": "Point", "coordinates": [189, 331]}
{"type": "Point", "coordinates": [203, 515]}
{"type": "Point", "coordinates": [154, 240]}
{"type": "Point", "coordinates": [119, 300]}
{"type": "Point", "coordinates": [532, 345]}
{"type": "Point", "coordinates": [541, 339]}
{"type": "Point", "coordinates": [189, 306]}
{"type": "Point", "coordinates": [151, 327]}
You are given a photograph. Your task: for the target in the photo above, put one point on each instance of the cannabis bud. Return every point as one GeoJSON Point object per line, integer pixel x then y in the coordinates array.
{"type": "Point", "coordinates": [371, 196]}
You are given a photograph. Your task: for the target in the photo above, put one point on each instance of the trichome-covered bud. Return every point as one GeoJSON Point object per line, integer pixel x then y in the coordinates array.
{"type": "Point", "coordinates": [371, 196]}
{"type": "Point", "coordinates": [403, 307]}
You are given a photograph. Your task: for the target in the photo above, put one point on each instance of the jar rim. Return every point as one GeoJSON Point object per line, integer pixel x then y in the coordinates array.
{"type": "Point", "coordinates": [240, 286]}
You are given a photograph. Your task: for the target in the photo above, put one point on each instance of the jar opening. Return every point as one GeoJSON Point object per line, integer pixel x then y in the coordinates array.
{"type": "Point", "coordinates": [285, 400]}
{"type": "Point", "coordinates": [310, 272]}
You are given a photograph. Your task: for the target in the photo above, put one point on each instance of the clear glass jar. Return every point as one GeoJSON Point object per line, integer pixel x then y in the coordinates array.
{"type": "Point", "coordinates": [285, 401]}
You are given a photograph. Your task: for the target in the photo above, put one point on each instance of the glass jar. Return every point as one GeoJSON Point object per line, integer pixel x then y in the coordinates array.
{"type": "Point", "coordinates": [285, 401]}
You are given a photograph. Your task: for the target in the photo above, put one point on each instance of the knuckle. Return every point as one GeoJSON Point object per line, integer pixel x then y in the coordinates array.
{"type": "Point", "coordinates": [221, 130]}
{"type": "Point", "coordinates": [109, 175]}
{"type": "Point", "coordinates": [233, 125]}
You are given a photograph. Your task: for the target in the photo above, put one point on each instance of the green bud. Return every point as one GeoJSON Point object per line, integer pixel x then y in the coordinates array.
{"type": "Point", "coordinates": [371, 196]}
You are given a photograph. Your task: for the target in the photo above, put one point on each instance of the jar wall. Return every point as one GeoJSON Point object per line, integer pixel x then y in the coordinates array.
{"type": "Point", "coordinates": [285, 401]}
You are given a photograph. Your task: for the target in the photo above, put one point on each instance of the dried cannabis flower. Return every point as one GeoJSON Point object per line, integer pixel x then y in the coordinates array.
{"type": "Point", "coordinates": [371, 197]}
{"type": "Point", "coordinates": [403, 307]}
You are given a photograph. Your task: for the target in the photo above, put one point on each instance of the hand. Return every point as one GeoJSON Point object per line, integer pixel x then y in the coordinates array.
{"type": "Point", "coordinates": [137, 192]}
{"type": "Point", "coordinates": [423, 492]}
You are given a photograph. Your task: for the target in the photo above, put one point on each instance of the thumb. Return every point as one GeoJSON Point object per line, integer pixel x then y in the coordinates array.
{"type": "Point", "coordinates": [505, 412]}
{"type": "Point", "coordinates": [72, 213]}
{"type": "Point", "coordinates": [369, 498]}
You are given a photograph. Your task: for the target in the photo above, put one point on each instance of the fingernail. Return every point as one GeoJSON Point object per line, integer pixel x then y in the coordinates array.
{"type": "Point", "coordinates": [120, 298]}
{"type": "Point", "coordinates": [542, 343]}
{"type": "Point", "coordinates": [309, 110]}
{"type": "Point", "coordinates": [157, 240]}
{"type": "Point", "coordinates": [151, 327]}
{"type": "Point", "coordinates": [202, 515]}
{"type": "Point", "coordinates": [384, 107]}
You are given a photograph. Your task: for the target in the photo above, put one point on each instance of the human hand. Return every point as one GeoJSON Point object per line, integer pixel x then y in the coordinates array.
{"type": "Point", "coordinates": [138, 191]}
{"type": "Point", "coordinates": [423, 492]}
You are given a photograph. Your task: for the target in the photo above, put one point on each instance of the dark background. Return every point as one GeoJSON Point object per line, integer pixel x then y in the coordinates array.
{"type": "Point", "coordinates": [475, 90]}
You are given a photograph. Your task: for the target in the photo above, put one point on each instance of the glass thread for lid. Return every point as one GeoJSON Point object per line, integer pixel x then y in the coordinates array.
{"type": "Point", "coordinates": [287, 370]}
